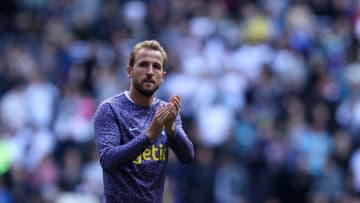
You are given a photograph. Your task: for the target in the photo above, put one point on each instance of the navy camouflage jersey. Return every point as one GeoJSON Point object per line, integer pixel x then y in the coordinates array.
{"type": "Point", "coordinates": [133, 166]}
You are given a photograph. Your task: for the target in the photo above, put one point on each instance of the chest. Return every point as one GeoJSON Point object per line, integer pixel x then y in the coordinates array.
{"type": "Point", "coordinates": [135, 123]}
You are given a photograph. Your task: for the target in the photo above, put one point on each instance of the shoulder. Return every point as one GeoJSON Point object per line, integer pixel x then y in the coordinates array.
{"type": "Point", "coordinates": [111, 104]}
{"type": "Point", "coordinates": [113, 101]}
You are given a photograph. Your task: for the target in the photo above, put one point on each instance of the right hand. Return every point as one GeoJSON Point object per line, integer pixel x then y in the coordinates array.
{"type": "Point", "coordinates": [161, 116]}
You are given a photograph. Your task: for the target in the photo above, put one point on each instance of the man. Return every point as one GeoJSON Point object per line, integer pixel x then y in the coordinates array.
{"type": "Point", "coordinates": [134, 131]}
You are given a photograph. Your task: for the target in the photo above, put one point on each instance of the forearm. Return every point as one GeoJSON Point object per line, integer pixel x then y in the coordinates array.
{"type": "Point", "coordinates": [181, 145]}
{"type": "Point", "coordinates": [114, 157]}
{"type": "Point", "coordinates": [112, 153]}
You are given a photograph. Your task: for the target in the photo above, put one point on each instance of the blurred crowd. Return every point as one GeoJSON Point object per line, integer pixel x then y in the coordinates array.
{"type": "Point", "coordinates": [270, 92]}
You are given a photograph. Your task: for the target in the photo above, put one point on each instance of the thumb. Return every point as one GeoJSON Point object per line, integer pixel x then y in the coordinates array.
{"type": "Point", "coordinates": [161, 106]}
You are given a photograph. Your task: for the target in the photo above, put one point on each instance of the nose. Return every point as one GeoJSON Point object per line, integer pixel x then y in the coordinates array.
{"type": "Point", "coordinates": [150, 70]}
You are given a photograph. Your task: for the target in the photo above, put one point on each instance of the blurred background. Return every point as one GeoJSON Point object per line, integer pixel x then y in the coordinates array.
{"type": "Point", "coordinates": [270, 91]}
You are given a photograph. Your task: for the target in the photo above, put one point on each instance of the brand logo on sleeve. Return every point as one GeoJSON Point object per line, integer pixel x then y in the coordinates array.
{"type": "Point", "coordinates": [153, 153]}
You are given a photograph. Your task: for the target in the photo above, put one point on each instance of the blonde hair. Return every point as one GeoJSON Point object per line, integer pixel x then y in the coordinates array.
{"type": "Point", "coordinates": [147, 44]}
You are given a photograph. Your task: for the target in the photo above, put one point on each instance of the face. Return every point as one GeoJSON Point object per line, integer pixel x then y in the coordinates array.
{"type": "Point", "coordinates": [147, 73]}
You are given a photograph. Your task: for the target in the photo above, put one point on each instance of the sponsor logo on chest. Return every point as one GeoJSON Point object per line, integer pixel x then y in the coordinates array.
{"type": "Point", "coordinates": [153, 153]}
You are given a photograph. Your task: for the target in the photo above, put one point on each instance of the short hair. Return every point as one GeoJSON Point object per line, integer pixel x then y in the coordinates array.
{"type": "Point", "coordinates": [147, 44]}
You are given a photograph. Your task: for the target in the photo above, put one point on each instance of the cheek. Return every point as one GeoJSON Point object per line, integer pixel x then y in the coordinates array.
{"type": "Point", "coordinates": [162, 76]}
{"type": "Point", "coordinates": [135, 74]}
{"type": "Point", "coordinates": [158, 76]}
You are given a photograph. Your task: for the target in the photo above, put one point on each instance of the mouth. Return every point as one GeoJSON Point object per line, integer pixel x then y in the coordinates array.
{"type": "Point", "coordinates": [148, 81]}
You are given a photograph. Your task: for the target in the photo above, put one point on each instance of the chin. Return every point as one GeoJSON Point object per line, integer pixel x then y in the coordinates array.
{"type": "Point", "coordinates": [146, 90]}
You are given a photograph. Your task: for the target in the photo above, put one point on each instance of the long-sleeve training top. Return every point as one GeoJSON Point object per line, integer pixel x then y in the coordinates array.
{"type": "Point", "coordinates": [133, 166]}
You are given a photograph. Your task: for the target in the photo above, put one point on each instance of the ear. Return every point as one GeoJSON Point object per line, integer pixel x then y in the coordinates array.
{"type": "Point", "coordinates": [163, 76]}
{"type": "Point", "coordinates": [129, 70]}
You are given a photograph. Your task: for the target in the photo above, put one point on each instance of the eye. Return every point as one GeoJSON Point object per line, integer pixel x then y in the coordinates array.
{"type": "Point", "coordinates": [143, 64]}
{"type": "Point", "coordinates": [157, 66]}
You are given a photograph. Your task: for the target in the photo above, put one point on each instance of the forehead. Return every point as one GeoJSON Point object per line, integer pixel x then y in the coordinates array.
{"type": "Point", "coordinates": [148, 55]}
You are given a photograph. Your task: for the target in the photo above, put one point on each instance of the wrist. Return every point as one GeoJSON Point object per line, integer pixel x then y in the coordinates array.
{"type": "Point", "coordinates": [169, 129]}
{"type": "Point", "coordinates": [149, 135]}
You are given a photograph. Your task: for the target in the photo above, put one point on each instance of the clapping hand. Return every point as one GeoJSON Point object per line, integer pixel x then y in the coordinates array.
{"type": "Point", "coordinates": [165, 116]}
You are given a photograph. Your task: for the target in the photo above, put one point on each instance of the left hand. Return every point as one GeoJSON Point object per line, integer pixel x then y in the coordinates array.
{"type": "Point", "coordinates": [175, 104]}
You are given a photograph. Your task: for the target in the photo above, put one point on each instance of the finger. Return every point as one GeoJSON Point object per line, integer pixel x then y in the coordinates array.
{"type": "Point", "coordinates": [177, 102]}
{"type": "Point", "coordinates": [159, 112]}
{"type": "Point", "coordinates": [172, 98]}
{"type": "Point", "coordinates": [173, 109]}
{"type": "Point", "coordinates": [161, 108]}
{"type": "Point", "coordinates": [176, 107]}
{"type": "Point", "coordinates": [169, 106]}
{"type": "Point", "coordinates": [173, 113]}
{"type": "Point", "coordinates": [175, 99]}
{"type": "Point", "coordinates": [163, 117]}
{"type": "Point", "coordinates": [174, 104]}
{"type": "Point", "coordinates": [165, 110]}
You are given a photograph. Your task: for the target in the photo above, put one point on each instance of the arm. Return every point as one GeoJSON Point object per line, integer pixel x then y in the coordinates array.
{"type": "Point", "coordinates": [107, 139]}
{"type": "Point", "coordinates": [180, 143]}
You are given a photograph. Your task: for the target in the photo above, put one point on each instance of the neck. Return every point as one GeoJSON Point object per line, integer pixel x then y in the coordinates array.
{"type": "Point", "coordinates": [139, 98]}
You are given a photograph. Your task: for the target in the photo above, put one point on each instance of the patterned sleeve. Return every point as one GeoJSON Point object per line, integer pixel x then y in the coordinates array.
{"type": "Point", "coordinates": [112, 155]}
{"type": "Point", "coordinates": [181, 144]}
